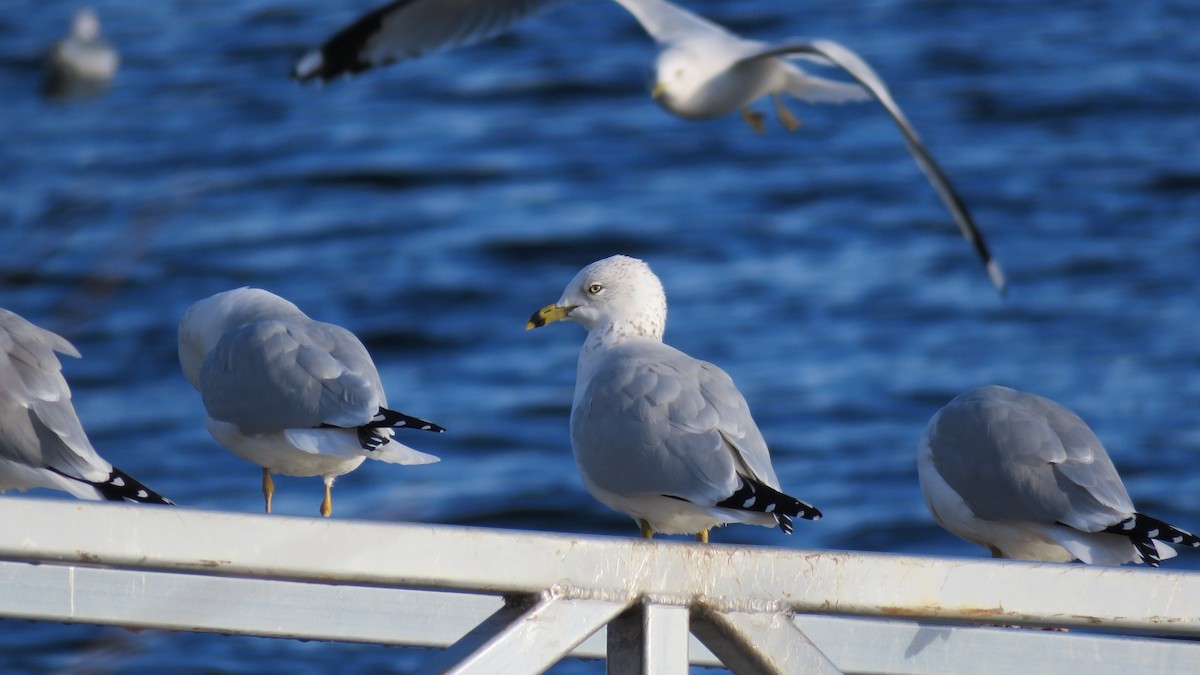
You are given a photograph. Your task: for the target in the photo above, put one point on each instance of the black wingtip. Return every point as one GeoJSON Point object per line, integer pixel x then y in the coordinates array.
{"type": "Point", "coordinates": [342, 54]}
{"type": "Point", "coordinates": [120, 486]}
{"type": "Point", "coordinates": [1144, 530]}
{"type": "Point", "coordinates": [753, 495]}
{"type": "Point", "coordinates": [398, 420]}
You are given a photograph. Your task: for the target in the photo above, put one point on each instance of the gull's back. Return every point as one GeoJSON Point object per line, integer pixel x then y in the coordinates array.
{"type": "Point", "coordinates": [680, 424]}
{"type": "Point", "coordinates": [38, 425]}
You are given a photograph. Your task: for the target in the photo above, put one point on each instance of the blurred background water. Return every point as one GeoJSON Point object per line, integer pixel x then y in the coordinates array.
{"type": "Point", "coordinates": [431, 207]}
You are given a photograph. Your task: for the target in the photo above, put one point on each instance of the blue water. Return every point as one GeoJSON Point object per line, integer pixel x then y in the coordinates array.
{"type": "Point", "coordinates": [431, 207]}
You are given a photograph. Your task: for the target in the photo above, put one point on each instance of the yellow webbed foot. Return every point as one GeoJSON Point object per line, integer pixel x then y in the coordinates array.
{"type": "Point", "coordinates": [268, 488]}
{"type": "Point", "coordinates": [327, 503]}
{"type": "Point", "coordinates": [785, 116]}
{"type": "Point", "coordinates": [754, 119]}
{"type": "Point", "coordinates": [647, 531]}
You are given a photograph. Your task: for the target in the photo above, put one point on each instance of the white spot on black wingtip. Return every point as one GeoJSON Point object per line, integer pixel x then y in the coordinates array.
{"type": "Point", "coordinates": [749, 502]}
{"type": "Point", "coordinates": [996, 274]}
{"type": "Point", "coordinates": [427, 427]}
{"type": "Point", "coordinates": [770, 508]}
{"type": "Point", "coordinates": [309, 65]}
{"type": "Point", "coordinates": [143, 494]}
{"type": "Point", "coordinates": [816, 517]}
{"type": "Point", "coordinates": [117, 482]}
{"type": "Point", "coordinates": [1152, 533]}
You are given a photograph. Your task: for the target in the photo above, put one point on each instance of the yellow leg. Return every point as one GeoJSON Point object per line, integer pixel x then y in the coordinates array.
{"type": "Point", "coordinates": [647, 532]}
{"type": "Point", "coordinates": [268, 487]}
{"type": "Point", "coordinates": [702, 536]}
{"type": "Point", "coordinates": [754, 119]}
{"type": "Point", "coordinates": [327, 503]}
{"type": "Point", "coordinates": [785, 116]}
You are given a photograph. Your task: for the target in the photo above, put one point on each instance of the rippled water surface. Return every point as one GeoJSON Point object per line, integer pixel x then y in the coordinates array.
{"type": "Point", "coordinates": [431, 207]}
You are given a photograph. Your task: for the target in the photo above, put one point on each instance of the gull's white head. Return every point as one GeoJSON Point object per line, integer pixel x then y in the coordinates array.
{"type": "Point", "coordinates": [615, 298]}
{"type": "Point", "coordinates": [205, 322]}
{"type": "Point", "coordinates": [700, 81]}
{"type": "Point", "coordinates": [678, 78]}
{"type": "Point", "coordinates": [86, 25]}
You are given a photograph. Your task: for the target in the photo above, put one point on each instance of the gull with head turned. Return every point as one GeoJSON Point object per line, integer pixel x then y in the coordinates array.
{"type": "Point", "coordinates": [295, 396]}
{"type": "Point", "coordinates": [1025, 478]}
{"type": "Point", "coordinates": [42, 444]}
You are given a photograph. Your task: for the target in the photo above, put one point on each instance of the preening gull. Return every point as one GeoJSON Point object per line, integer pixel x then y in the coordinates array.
{"type": "Point", "coordinates": [42, 444]}
{"type": "Point", "coordinates": [295, 396]}
{"type": "Point", "coordinates": [658, 435]}
{"type": "Point", "coordinates": [1025, 478]}
{"type": "Point", "coordinates": [83, 61]}
{"type": "Point", "coordinates": [702, 71]}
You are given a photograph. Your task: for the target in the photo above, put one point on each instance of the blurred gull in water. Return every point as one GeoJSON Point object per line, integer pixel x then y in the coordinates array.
{"type": "Point", "coordinates": [42, 444]}
{"type": "Point", "coordinates": [703, 70]}
{"type": "Point", "coordinates": [658, 435]}
{"type": "Point", "coordinates": [296, 396]}
{"type": "Point", "coordinates": [1025, 478]}
{"type": "Point", "coordinates": [83, 62]}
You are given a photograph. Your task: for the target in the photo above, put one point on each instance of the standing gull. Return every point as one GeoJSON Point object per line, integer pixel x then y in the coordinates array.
{"type": "Point", "coordinates": [1025, 478]}
{"type": "Point", "coordinates": [296, 396]}
{"type": "Point", "coordinates": [702, 71]}
{"type": "Point", "coordinates": [658, 435]}
{"type": "Point", "coordinates": [42, 444]}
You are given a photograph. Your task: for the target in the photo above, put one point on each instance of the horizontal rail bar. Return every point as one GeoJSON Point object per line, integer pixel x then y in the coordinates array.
{"type": "Point", "coordinates": [193, 602]}
{"type": "Point", "coordinates": [308, 611]}
{"type": "Point", "coordinates": [729, 577]}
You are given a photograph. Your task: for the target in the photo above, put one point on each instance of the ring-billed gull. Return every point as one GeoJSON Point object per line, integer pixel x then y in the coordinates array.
{"type": "Point", "coordinates": [1025, 478]}
{"type": "Point", "coordinates": [658, 435]}
{"type": "Point", "coordinates": [42, 444]}
{"type": "Point", "coordinates": [702, 70]}
{"type": "Point", "coordinates": [296, 396]}
{"type": "Point", "coordinates": [83, 61]}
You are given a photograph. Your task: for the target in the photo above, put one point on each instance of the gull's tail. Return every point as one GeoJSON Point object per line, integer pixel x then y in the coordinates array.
{"type": "Point", "coordinates": [759, 497]}
{"type": "Point", "coordinates": [1143, 531]}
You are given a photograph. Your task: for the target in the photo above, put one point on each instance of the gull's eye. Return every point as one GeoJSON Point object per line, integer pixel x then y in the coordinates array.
{"type": "Point", "coordinates": [594, 289]}
{"type": "Point", "coordinates": [679, 74]}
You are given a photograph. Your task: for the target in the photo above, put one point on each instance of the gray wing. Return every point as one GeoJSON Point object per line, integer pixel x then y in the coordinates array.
{"type": "Point", "coordinates": [1017, 456]}
{"type": "Point", "coordinates": [273, 375]}
{"type": "Point", "coordinates": [408, 29]}
{"type": "Point", "coordinates": [857, 68]}
{"type": "Point", "coordinates": [38, 425]}
{"type": "Point", "coordinates": [668, 23]}
{"type": "Point", "coordinates": [653, 420]}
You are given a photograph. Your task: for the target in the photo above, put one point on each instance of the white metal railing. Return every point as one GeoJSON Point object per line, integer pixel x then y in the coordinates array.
{"type": "Point", "coordinates": [513, 602]}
